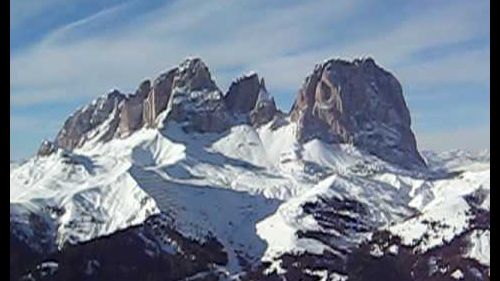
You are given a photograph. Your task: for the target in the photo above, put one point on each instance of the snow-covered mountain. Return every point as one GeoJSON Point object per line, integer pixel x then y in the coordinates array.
{"type": "Point", "coordinates": [180, 181]}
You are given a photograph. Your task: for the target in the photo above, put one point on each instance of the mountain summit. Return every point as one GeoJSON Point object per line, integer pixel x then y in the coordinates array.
{"type": "Point", "coordinates": [360, 103]}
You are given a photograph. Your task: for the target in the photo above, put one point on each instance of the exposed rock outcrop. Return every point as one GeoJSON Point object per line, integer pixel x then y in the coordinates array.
{"type": "Point", "coordinates": [196, 102]}
{"type": "Point", "coordinates": [243, 93]}
{"type": "Point", "coordinates": [131, 116]}
{"type": "Point", "coordinates": [47, 148]}
{"type": "Point", "coordinates": [264, 109]}
{"type": "Point", "coordinates": [248, 95]}
{"type": "Point", "coordinates": [359, 103]}
{"type": "Point", "coordinates": [187, 93]}
{"type": "Point", "coordinates": [85, 123]}
{"type": "Point", "coordinates": [157, 99]}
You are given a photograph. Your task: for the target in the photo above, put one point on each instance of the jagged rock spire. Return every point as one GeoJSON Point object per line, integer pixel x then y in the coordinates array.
{"type": "Point", "coordinates": [243, 93]}
{"type": "Point", "coordinates": [248, 96]}
{"type": "Point", "coordinates": [265, 108]}
{"type": "Point", "coordinates": [193, 75]}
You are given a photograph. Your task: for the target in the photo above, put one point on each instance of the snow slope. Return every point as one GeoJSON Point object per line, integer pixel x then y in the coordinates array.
{"type": "Point", "coordinates": [452, 206]}
{"type": "Point", "coordinates": [258, 191]}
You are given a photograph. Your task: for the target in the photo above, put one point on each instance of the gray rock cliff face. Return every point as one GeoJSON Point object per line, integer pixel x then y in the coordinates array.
{"type": "Point", "coordinates": [242, 94]}
{"type": "Point", "coordinates": [359, 103]}
{"type": "Point", "coordinates": [248, 96]}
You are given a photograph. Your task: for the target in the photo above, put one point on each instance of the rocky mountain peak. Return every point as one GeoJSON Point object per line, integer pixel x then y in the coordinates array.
{"type": "Point", "coordinates": [248, 96]}
{"type": "Point", "coordinates": [187, 92]}
{"type": "Point", "coordinates": [265, 108]}
{"type": "Point", "coordinates": [194, 75]}
{"type": "Point", "coordinates": [195, 100]}
{"type": "Point", "coordinates": [360, 103]}
{"type": "Point", "coordinates": [242, 94]}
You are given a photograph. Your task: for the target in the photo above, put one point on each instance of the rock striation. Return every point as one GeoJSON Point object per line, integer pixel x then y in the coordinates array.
{"type": "Point", "coordinates": [131, 116]}
{"type": "Point", "coordinates": [358, 103]}
{"type": "Point", "coordinates": [158, 97]}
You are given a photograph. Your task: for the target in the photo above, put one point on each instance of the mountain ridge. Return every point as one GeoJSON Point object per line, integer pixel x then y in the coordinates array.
{"type": "Point", "coordinates": [339, 113]}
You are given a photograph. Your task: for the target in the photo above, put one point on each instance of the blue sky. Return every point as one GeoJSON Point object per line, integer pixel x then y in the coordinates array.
{"type": "Point", "coordinates": [65, 53]}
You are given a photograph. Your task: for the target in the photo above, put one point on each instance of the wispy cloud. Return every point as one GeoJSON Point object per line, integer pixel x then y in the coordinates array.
{"type": "Point", "coordinates": [277, 41]}
{"type": "Point", "coordinates": [160, 39]}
